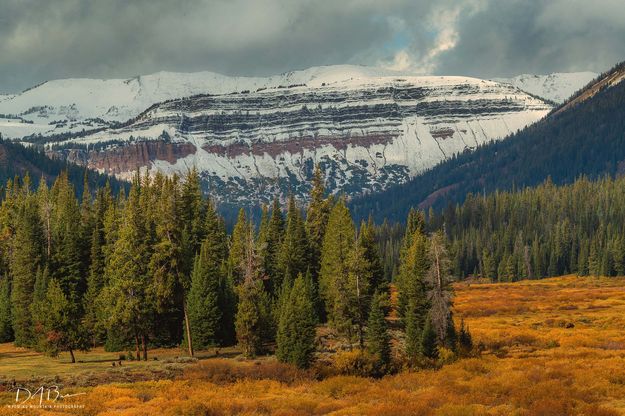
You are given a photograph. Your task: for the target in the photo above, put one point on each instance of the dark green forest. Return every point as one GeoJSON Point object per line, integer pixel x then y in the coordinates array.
{"type": "Point", "coordinates": [156, 267]}
{"type": "Point", "coordinates": [532, 233]}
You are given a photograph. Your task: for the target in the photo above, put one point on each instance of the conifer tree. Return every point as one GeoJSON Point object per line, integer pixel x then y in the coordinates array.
{"type": "Point", "coordinates": [250, 319]}
{"type": "Point", "coordinates": [205, 314]}
{"type": "Point", "coordinates": [465, 340]}
{"type": "Point", "coordinates": [192, 211]}
{"type": "Point", "coordinates": [367, 240]}
{"type": "Point", "coordinates": [237, 253]}
{"type": "Point", "coordinates": [128, 307]}
{"type": "Point", "coordinates": [87, 224]}
{"type": "Point", "coordinates": [24, 261]}
{"type": "Point", "coordinates": [168, 284]}
{"type": "Point", "coordinates": [6, 330]}
{"type": "Point", "coordinates": [296, 329]}
{"type": "Point", "coordinates": [411, 281]}
{"type": "Point", "coordinates": [59, 332]}
{"type": "Point", "coordinates": [39, 307]}
{"type": "Point", "coordinates": [316, 220]}
{"type": "Point", "coordinates": [488, 266]}
{"type": "Point", "coordinates": [451, 335]}
{"type": "Point", "coordinates": [270, 241]}
{"type": "Point", "coordinates": [378, 339]}
{"type": "Point", "coordinates": [429, 340]}
{"type": "Point", "coordinates": [352, 305]}
{"type": "Point", "coordinates": [414, 323]}
{"type": "Point", "coordinates": [67, 265]}
{"type": "Point", "coordinates": [95, 278]}
{"type": "Point", "coordinates": [293, 254]}
{"type": "Point", "coordinates": [334, 275]}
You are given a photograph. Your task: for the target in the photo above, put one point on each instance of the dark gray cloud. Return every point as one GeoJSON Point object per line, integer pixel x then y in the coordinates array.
{"type": "Point", "coordinates": [506, 38]}
{"type": "Point", "coordinates": [42, 40]}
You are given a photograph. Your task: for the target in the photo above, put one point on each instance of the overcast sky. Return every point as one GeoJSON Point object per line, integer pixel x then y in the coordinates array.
{"type": "Point", "coordinates": [48, 39]}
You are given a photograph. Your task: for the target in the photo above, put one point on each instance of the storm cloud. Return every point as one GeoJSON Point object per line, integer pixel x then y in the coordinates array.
{"type": "Point", "coordinates": [41, 40]}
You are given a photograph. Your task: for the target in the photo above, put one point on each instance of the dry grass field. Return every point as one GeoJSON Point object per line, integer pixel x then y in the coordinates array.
{"type": "Point", "coordinates": [550, 347]}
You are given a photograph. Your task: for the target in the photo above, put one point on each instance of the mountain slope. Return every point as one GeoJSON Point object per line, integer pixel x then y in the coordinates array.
{"type": "Point", "coordinates": [17, 160]}
{"type": "Point", "coordinates": [556, 87]}
{"type": "Point", "coordinates": [254, 137]}
{"type": "Point", "coordinates": [585, 136]}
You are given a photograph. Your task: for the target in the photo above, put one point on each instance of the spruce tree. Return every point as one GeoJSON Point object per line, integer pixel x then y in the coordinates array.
{"type": "Point", "coordinates": [129, 309]}
{"type": "Point", "coordinates": [251, 318]}
{"type": "Point", "coordinates": [316, 221]}
{"type": "Point", "coordinates": [411, 282]}
{"type": "Point", "coordinates": [237, 253]}
{"type": "Point", "coordinates": [378, 339]}
{"type": "Point", "coordinates": [39, 307]}
{"type": "Point", "coordinates": [23, 264]}
{"type": "Point", "coordinates": [337, 245]}
{"type": "Point", "coordinates": [293, 254]}
{"type": "Point", "coordinates": [367, 240]}
{"type": "Point", "coordinates": [192, 211]}
{"type": "Point", "coordinates": [429, 340]}
{"type": "Point", "coordinates": [67, 265]}
{"type": "Point", "coordinates": [248, 319]}
{"type": "Point", "coordinates": [59, 332]}
{"type": "Point", "coordinates": [6, 330]}
{"type": "Point", "coordinates": [205, 315]}
{"type": "Point", "coordinates": [296, 329]}
{"type": "Point", "coordinates": [465, 340]}
{"type": "Point", "coordinates": [414, 323]}
{"type": "Point", "coordinates": [168, 281]}
{"type": "Point", "coordinates": [270, 240]}
{"type": "Point", "coordinates": [95, 283]}
{"type": "Point", "coordinates": [352, 305]}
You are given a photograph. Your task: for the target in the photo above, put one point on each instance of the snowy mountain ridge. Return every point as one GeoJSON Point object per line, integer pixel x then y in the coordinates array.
{"type": "Point", "coordinates": [70, 105]}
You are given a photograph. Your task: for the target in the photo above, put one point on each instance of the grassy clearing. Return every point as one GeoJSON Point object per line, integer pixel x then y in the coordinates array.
{"type": "Point", "coordinates": [552, 347]}
{"type": "Point", "coordinates": [97, 366]}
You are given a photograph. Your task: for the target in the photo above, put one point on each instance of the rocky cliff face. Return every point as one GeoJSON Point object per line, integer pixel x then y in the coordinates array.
{"type": "Point", "coordinates": [367, 130]}
{"type": "Point", "coordinates": [128, 158]}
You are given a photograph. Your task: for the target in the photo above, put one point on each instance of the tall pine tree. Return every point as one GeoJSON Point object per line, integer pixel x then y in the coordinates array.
{"type": "Point", "coordinates": [296, 329]}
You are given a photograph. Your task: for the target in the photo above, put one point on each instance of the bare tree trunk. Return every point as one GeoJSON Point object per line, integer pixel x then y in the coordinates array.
{"type": "Point", "coordinates": [188, 327]}
{"type": "Point", "coordinates": [71, 353]}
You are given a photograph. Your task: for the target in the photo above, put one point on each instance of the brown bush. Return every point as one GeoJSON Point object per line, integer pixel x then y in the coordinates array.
{"type": "Point", "coordinates": [223, 371]}
{"type": "Point", "coordinates": [356, 363]}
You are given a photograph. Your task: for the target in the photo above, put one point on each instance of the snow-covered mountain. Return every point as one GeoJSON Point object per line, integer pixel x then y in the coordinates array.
{"type": "Point", "coordinates": [253, 137]}
{"type": "Point", "coordinates": [556, 87]}
{"type": "Point", "coordinates": [71, 105]}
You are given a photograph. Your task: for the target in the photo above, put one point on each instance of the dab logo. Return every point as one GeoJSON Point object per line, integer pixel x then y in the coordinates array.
{"type": "Point", "coordinates": [43, 397]}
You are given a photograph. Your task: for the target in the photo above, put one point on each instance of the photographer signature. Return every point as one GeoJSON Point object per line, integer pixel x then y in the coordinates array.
{"type": "Point", "coordinates": [50, 394]}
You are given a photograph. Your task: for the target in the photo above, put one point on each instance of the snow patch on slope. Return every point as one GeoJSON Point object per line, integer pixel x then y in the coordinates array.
{"type": "Point", "coordinates": [556, 87]}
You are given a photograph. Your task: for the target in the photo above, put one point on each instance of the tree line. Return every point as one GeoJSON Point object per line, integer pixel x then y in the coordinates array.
{"type": "Point", "coordinates": [530, 233]}
{"type": "Point", "coordinates": [157, 267]}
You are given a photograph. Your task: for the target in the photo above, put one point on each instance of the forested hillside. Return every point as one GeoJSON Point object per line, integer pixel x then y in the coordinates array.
{"type": "Point", "coordinates": [532, 233]}
{"type": "Point", "coordinates": [17, 160]}
{"type": "Point", "coordinates": [585, 136]}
